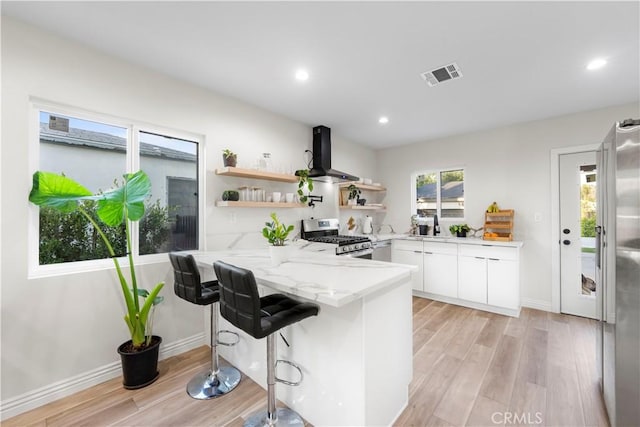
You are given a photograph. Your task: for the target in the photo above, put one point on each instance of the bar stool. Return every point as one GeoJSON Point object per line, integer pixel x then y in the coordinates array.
{"type": "Point", "coordinates": [241, 305]}
{"type": "Point", "coordinates": [217, 381]}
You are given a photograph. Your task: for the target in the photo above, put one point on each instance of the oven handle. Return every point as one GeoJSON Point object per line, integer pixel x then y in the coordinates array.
{"type": "Point", "coordinates": [357, 254]}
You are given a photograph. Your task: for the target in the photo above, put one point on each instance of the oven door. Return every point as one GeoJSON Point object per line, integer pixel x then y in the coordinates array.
{"type": "Point", "coordinates": [365, 254]}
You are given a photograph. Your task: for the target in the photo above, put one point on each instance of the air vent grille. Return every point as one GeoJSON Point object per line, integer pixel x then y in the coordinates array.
{"type": "Point", "coordinates": [442, 74]}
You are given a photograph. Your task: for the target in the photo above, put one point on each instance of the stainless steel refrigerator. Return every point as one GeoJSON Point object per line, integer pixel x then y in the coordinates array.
{"type": "Point", "coordinates": [618, 272]}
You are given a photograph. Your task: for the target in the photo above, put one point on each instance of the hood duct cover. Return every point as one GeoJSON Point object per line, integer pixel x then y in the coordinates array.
{"type": "Point", "coordinates": [322, 157]}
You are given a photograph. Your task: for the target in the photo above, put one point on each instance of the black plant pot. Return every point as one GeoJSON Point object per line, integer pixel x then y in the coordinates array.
{"type": "Point", "coordinates": [140, 368]}
{"type": "Point", "coordinates": [461, 233]}
{"type": "Point", "coordinates": [230, 161]}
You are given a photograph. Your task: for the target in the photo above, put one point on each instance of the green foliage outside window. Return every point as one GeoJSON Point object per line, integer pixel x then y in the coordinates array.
{"type": "Point", "coordinates": [68, 237]}
{"type": "Point", "coordinates": [588, 226]}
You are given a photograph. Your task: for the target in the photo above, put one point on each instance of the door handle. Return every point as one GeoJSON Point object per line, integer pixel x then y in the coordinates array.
{"type": "Point", "coordinates": [566, 231]}
{"type": "Point", "coordinates": [566, 242]}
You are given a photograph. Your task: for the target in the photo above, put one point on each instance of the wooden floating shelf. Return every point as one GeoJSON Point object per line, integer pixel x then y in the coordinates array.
{"type": "Point", "coordinates": [242, 204]}
{"type": "Point", "coordinates": [364, 208]}
{"type": "Point", "coordinates": [344, 185]}
{"type": "Point", "coordinates": [256, 174]}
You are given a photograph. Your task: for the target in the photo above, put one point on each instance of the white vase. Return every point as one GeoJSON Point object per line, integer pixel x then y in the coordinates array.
{"type": "Point", "coordinates": [278, 254]}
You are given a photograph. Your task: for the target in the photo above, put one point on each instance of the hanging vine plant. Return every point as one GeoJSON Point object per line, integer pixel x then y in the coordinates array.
{"type": "Point", "coordinates": [304, 180]}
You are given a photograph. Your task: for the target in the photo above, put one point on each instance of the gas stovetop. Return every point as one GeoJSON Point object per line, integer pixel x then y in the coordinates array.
{"type": "Point", "coordinates": [338, 239]}
{"type": "Point", "coordinates": [326, 231]}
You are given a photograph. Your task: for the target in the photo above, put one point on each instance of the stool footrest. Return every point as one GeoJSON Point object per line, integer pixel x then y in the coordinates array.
{"type": "Point", "coordinates": [287, 382]}
{"type": "Point", "coordinates": [228, 344]}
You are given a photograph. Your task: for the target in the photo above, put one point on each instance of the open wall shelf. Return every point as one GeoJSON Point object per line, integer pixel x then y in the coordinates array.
{"type": "Point", "coordinates": [256, 174]}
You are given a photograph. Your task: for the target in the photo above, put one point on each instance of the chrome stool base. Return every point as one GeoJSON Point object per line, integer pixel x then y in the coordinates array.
{"type": "Point", "coordinates": [203, 386]}
{"type": "Point", "coordinates": [284, 417]}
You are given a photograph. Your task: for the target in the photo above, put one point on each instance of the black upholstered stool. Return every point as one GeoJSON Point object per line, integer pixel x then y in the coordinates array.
{"type": "Point", "coordinates": [187, 285]}
{"type": "Point", "coordinates": [241, 305]}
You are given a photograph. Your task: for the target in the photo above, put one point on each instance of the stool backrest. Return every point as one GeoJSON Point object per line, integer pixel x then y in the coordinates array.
{"type": "Point", "coordinates": [239, 298]}
{"type": "Point", "coordinates": [186, 278]}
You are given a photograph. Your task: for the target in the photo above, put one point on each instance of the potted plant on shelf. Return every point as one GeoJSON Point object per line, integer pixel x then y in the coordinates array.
{"type": "Point", "coordinates": [119, 206]}
{"type": "Point", "coordinates": [459, 229]}
{"type": "Point", "coordinates": [276, 233]}
{"type": "Point", "coordinates": [304, 180]}
{"type": "Point", "coordinates": [354, 194]}
{"type": "Point", "coordinates": [229, 158]}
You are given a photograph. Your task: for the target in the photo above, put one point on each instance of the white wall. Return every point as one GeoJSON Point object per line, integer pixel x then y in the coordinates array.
{"type": "Point", "coordinates": [509, 165]}
{"type": "Point", "coordinates": [55, 328]}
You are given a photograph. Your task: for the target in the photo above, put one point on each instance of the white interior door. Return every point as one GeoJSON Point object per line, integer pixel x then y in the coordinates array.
{"type": "Point", "coordinates": [577, 240]}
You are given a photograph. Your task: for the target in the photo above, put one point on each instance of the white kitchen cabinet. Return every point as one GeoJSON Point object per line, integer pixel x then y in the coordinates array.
{"type": "Point", "coordinates": [409, 252]}
{"type": "Point", "coordinates": [489, 275]}
{"type": "Point", "coordinates": [472, 278]}
{"type": "Point", "coordinates": [503, 284]}
{"type": "Point", "coordinates": [441, 269]}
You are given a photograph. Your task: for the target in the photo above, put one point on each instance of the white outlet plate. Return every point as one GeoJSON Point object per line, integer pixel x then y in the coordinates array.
{"type": "Point", "coordinates": [537, 217]}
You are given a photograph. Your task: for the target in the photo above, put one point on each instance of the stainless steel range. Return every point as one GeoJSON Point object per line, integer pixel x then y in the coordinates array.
{"type": "Point", "coordinates": [326, 231]}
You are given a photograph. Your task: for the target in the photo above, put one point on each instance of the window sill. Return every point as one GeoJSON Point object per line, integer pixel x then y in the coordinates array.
{"type": "Point", "coordinates": [80, 267]}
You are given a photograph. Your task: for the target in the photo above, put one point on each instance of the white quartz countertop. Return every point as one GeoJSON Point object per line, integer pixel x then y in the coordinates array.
{"type": "Point", "coordinates": [444, 239]}
{"type": "Point", "coordinates": [320, 277]}
{"type": "Point", "coordinates": [461, 240]}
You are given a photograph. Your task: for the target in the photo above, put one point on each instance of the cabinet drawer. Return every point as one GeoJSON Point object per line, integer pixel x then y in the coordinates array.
{"type": "Point", "coordinates": [407, 245]}
{"type": "Point", "coordinates": [441, 248]}
{"type": "Point", "coordinates": [497, 252]}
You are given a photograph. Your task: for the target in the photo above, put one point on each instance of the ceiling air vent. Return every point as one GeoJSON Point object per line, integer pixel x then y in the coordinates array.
{"type": "Point", "coordinates": [442, 74]}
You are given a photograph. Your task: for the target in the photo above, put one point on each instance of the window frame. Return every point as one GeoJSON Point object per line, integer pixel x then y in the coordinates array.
{"type": "Point", "coordinates": [437, 172]}
{"type": "Point", "coordinates": [35, 270]}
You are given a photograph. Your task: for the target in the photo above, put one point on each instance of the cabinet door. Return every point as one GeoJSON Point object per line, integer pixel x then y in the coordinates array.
{"type": "Point", "coordinates": [503, 284]}
{"type": "Point", "coordinates": [441, 274]}
{"type": "Point", "coordinates": [411, 257]}
{"type": "Point", "coordinates": [472, 279]}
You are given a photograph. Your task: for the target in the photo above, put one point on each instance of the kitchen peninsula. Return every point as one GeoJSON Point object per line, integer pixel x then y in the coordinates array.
{"type": "Point", "coordinates": [356, 355]}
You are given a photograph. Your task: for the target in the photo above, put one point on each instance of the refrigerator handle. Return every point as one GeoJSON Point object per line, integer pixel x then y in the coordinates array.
{"type": "Point", "coordinates": [598, 248]}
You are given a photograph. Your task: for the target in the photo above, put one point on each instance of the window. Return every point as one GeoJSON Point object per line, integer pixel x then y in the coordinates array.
{"type": "Point", "coordinates": [439, 192]}
{"type": "Point", "coordinates": [95, 153]}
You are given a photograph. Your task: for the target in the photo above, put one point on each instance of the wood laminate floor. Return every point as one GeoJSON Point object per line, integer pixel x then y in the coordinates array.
{"type": "Point", "coordinates": [470, 368]}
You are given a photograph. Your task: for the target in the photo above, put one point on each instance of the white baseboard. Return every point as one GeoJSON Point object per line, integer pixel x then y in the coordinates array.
{"type": "Point", "coordinates": [47, 394]}
{"type": "Point", "coordinates": [537, 304]}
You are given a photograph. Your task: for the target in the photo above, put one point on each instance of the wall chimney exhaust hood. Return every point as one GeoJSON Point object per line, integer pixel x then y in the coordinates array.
{"type": "Point", "coordinates": [322, 158]}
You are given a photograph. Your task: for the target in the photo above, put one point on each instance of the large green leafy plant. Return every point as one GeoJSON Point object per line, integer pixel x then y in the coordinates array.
{"type": "Point", "coordinates": [120, 205]}
{"type": "Point", "coordinates": [275, 231]}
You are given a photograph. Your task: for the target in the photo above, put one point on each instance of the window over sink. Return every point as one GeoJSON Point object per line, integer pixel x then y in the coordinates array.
{"type": "Point", "coordinates": [438, 192]}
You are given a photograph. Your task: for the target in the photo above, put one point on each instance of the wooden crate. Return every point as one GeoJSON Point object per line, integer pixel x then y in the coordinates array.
{"type": "Point", "coordinates": [501, 223]}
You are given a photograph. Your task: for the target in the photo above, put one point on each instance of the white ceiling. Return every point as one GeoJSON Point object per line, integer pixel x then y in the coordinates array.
{"type": "Point", "coordinates": [521, 61]}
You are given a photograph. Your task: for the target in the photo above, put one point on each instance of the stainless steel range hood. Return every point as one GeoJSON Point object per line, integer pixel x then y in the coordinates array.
{"type": "Point", "coordinates": [322, 158]}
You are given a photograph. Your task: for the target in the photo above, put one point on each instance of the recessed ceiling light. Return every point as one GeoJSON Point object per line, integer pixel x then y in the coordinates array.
{"type": "Point", "coordinates": [596, 63]}
{"type": "Point", "coordinates": [302, 75]}
{"type": "Point", "coordinates": [383, 120]}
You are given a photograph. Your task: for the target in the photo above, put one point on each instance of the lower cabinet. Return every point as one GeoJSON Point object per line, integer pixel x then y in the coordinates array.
{"type": "Point", "coordinates": [472, 279]}
{"type": "Point", "coordinates": [503, 283]}
{"type": "Point", "coordinates": [458, 272]}
{"type": "Point", "coordinates": [409, 252]}
{"type": "Point", "coordinates": [441, 269]}
{"type": "Point", "coordinates": [489, 275]}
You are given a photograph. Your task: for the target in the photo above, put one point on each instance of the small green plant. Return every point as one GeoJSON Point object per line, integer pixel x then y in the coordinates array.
{"type": "Point", "coordinates": [117, 207]}
{"type": "Point", "coordinates": [459, 228]}
{"type": "Point", "coordinates": [229, 158]}
{"type": "Point", "coordinates": [354, 191]}
{"type": "Point", "coordinates": [275, 231]}
{"type": "Point", "coordinates": [304, 180]}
